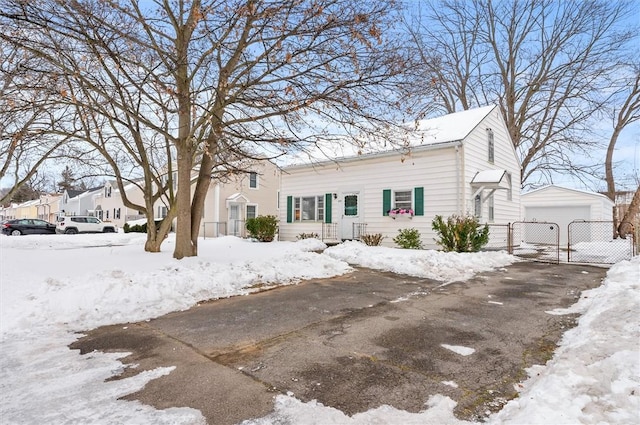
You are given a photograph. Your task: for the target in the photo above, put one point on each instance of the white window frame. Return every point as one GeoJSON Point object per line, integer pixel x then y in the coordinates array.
{"type": "Point", "coordinates": [255, 211]}
{"type": "Point", "coordinates": [491, 206]}
{"type": "Point", "coordinates": [407, 205]}
{"type": "Point", "coordinates": [316, 213]}
{"type": "Point", "coordinates": [253, 177]}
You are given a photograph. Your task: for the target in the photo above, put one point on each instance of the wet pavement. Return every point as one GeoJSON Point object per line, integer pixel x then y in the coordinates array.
{"type": "Point", "coordinates": [355, 342]}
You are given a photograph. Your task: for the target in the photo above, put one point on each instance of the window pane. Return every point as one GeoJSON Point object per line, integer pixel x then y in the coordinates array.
{"type": "Point", "coordinates": [402, 199]}
{"type": "Point", "coordinates": [253, 180]}
{"type": "Point", "coordinates": [309, 209]}
{"type": "Point", "coordinates": [320, 208]}
{"type": "Point", "coordinates": [478, 206]}
{"type": "Point", "coordinates": [351, 205]}
{"type": "Point", "coordinates": [251, 211]}
{"type": "Point", "coordinates": [297, 209]}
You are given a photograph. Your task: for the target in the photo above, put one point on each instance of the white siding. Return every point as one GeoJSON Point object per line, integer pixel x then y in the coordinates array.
{"type": "Point", "coordinates": [476, 159]}
{"type": "Point", "coordinates": [434, 170]}
{"type": "Point", "coordinates": [556, 196]}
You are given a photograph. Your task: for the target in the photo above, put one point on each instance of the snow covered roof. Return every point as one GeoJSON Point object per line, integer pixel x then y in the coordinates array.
{"type": "Point", "coordinates": [433, 133]}
{"type": "Point", "coordinates": [488, 177]}
{"type": "Point", "coordinates": [561, 188]}
{"type": "Point", "coordinates": [450, 127]}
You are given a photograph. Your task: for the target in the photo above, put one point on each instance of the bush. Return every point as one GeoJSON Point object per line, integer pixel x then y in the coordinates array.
{"type": "Point", "coordinates": [308, 236]}
{"type": "Point", "coordinates": [263, 227]}
{"type": "Point", "coordinates": [408, 239]}
{"type": "Point", "coordinates": [374, 239]}
{"type": "Point", "coordinates": [138, 228]}
{"type": "Point", "coordinates": [460, 234]}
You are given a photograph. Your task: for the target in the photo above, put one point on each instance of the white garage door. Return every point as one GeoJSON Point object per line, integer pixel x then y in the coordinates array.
{"type": "Point", "coordinates": [562, 215]}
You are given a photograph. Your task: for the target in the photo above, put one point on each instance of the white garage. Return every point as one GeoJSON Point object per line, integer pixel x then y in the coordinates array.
{"type": "Point", "coordinates": [561, 205]}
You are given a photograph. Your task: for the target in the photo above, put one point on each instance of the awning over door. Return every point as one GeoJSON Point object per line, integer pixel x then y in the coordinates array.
{"type": "Point", "coordinates": [237, 198]}
{"type": "Point", "coordinates": [491, 180]}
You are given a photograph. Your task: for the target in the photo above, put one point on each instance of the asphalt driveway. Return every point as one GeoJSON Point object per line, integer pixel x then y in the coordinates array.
{"type": "Point", "coordinates": [355, 342]}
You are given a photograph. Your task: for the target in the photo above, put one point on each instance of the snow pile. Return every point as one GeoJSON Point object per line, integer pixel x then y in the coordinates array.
{"type": "Point", "coordinates": [594, 376]}
{"type": "Point", "coordinates": [444, 266]}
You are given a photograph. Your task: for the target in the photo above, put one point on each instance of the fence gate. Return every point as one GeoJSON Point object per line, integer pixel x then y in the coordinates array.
{"type": "Point", "coordinates": [592, 242]}
{"type": "Point", "coordinates": [536, 240]}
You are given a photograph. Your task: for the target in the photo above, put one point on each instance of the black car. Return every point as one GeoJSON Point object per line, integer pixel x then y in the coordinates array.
{"type": "Point", "coordinates": [27, 226]}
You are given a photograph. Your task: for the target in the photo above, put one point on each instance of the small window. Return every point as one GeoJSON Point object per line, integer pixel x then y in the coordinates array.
{"type": "Point", "coordinates": [402, 199]}
{"type": "Point", "coordinates": [253, 180]}
{"type": "Point", "coordinates": [320, 208]}
{"type": "Point", "coordinates": [490, 145]}
{"type": "Point", "coordinates": [162, 212]}
{"type": "Point", "coordinates": [509, 190]}
{"type": "Point", "coordinates": [92, 220]}
{"type": "Point", "coordinates": [351, 205]}
{"type": "Point", "coordinates": [491, 208]}
{"type": "Point", "coordinates": [117, 214]}
{"type": "Point", "coordinates": [477, 206]}
{"type": "Point", "coordinates": [251, 211]}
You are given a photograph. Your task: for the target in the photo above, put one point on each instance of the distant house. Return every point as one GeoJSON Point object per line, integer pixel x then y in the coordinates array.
{"type": "Point", "coordinates": [229, 202]}
{"type": "Point", "coordinates": [461, 163]}
{"type": "Point", "coordinates": [561, 205]}
{"type": "Point", "coordinates": [242, 196]}
{"type": "Point", "coordinates": [78, 202]}
{"type": "Point", "coordinates": [48, 207]}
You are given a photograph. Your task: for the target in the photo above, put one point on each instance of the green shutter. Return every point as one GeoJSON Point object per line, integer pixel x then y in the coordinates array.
{"type": "Point", "coordinates": [418, 194]}
{"type": "Point", "coordinates": [386, 201]}
{"type": "Point", "coordinates": [289, 209]}
{"type": "Point", "coordinates": [327, 207]}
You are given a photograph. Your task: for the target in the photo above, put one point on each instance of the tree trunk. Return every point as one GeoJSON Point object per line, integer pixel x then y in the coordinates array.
{"type": "Point", "coordinates": [611, 186]}
{"type": "Point", "coordinates": [629, 220]}
{"type": "Point", "coordinates": [202, 187]}
{"type": "Point", "coordinates": [184, 246]}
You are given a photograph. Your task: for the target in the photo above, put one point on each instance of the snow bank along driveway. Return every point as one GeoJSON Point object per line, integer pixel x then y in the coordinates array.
{"type": "Point", "coordinates": [354, 342]}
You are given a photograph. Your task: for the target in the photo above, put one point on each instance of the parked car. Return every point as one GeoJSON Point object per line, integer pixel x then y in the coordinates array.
{"type": "Point", "coordinates": [27, 226]}
{"type": "Point", "coordinates": [83, 224]}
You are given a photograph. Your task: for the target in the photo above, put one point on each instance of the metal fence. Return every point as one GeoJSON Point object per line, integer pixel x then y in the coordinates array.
{"type": "Point", "coordinates": [499, 237]}
{"type": "Point", "coordinates": [358, 230]}
{"type": "Point", "coordinates": [536, 240]}
{"type": "Point", "coordinates": [214, 229]}
{"type": "Point", "coordinates": [593, 242]}
{"type": "Point", "coordinates": [329, 231]}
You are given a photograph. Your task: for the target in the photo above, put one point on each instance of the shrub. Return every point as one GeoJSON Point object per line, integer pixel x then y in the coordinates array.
{"type": "Point", "coordinates": [263, 227]}
{"type": "Point", "coordinates": [408, 239]}
{"type": "Point", "coordinates": [460, 234]}
{"type": "Point", "coordinates": [138, 228]}
{"type": "Point", "coordinates": [374, 239]}
{"type": "Point", "coordinates": [308, 236]}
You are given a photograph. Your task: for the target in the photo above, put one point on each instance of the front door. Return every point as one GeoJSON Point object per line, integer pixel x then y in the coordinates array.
{"type": "Point", "coordinates": [350, 214]}
{"type": "Point", "coordinates": [235, 222]}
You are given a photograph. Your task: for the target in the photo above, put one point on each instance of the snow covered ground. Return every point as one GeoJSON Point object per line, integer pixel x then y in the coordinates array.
{"type": "Point", "coordinates": [53, 286]}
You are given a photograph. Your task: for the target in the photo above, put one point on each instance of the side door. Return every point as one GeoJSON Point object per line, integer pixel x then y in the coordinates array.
{"type": "Point", "coordinates": [350, 213]}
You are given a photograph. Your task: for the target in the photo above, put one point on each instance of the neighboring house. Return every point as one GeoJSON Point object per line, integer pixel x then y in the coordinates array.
{"type": "Point", "coordinates": [48, 207]}
{"type": "Point", "coordinates": [109, 206]}
{"type": "Point", "coordinates": [27, 209]}
{"type": "Point", "coordinates": [241, 196]}
{"type": "Point", "coordinates": [78, 202]}
{"type": "Point", "coordinates": [229, 203]}
{"type": "Point", "coordinates": [461, 163]}
{"type": "Point", "coordinates": [561, 205]}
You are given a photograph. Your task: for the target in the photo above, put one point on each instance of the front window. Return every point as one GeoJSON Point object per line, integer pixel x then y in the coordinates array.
{"type": "Point", "coordinates": [351, 205]}
{"type": "Point", "coordinates": [253, 180]}
{"type": "Point", "coordinates": [251, 211]}
{"type": "Point", "coordinates": [308, 208]}
{"type": "Point", "coordinates": [402, 199]}
{"type": "Point", "coordinates": [162, 212]}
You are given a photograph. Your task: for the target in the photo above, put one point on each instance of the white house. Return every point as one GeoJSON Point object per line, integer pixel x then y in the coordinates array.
{"type": "Point", "coordinates": [461, 163]}
{"type": "Point", "coordinates": [78, 202]}
{"type": "Point", "coordinates": [228, 203]}
{"type": "Point", "coordinates": [561, 205]}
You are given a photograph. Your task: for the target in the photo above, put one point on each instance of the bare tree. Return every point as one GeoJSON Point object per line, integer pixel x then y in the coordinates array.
{"type": "Point", "coordinates": [546, 63]}
{"type": "Point", "coordinates": [626, 102]}
{"type": "Point", "coordinates": [26, 116]}
{"type": "Point", "coordinates": [214, 81]}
